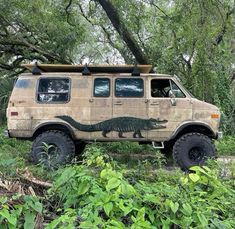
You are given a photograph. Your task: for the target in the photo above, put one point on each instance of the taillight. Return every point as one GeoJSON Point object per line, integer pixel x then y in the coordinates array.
{"type": "Point", "coordinates": [14, 113]}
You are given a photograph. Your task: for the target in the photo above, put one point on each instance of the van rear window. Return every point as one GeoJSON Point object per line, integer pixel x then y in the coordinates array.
{"type": "Point", "coordinates": [53, 90]}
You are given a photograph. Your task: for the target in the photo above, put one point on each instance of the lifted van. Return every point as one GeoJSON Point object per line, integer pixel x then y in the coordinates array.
{"type": "Point", "coordinates": [63, 107]}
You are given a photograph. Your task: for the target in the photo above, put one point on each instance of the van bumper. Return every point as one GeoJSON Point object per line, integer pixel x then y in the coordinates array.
{"type": "Point", "coordinates": [219, 135]}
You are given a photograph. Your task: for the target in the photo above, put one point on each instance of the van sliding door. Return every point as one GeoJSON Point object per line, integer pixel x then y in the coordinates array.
{"type": "Point", "coordinates": [129, 107]}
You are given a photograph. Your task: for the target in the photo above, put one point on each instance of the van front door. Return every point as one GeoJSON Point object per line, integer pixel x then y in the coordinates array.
{"type": "Point", "coordinates": [170, 114]}
{"type": "Point", "coordinates": [129, 108]}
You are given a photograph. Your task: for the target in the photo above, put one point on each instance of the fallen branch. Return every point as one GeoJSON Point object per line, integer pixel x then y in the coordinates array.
{"type": "Point", "coordinates": [27, 175]}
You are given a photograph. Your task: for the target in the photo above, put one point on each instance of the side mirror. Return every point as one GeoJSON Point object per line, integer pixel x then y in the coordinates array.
{"type": "Point", "coordinates": [172, 96]}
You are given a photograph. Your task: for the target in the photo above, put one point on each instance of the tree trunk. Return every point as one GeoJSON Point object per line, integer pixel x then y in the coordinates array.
{"type": "Point", "coordinates": [126, 35]}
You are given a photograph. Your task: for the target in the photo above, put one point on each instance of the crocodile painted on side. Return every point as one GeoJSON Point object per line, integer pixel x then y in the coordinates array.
{"type": "Point", "coordinates": [119, 124]}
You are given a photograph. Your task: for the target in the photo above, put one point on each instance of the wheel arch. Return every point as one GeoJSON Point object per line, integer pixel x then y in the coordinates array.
{"type": "Point", "coordinates": [54, 126]}
{"type": "Point", "coordinates": [195, 127]}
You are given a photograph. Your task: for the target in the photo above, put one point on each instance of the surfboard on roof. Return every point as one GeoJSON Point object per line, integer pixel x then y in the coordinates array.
{"type": "Point", "coordinates": [91, 68]}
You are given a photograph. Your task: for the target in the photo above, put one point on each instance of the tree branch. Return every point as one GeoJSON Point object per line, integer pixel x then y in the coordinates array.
{"type": "Point", "coordinates": [151, 2]}
{"type": "Point", "coordinates": [220, 36]}
{"type": "Point", "coordinates": [67, 10]}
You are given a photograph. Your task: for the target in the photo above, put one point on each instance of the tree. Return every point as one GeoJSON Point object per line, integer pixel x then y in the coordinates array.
{"type": "Point", "coordinates": [36, 30]}
{"type": "Point", "coordinates": [192, 39]}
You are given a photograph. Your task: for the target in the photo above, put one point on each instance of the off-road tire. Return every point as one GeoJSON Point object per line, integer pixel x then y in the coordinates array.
{"type": "Point", "coordinates": [186, 146]}
{"type": "Point", "coordinates": [60, 140]}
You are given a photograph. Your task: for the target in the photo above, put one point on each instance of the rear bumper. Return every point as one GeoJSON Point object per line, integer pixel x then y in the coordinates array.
{"type": "Point", "coordinates": [6, 133]}
{"type": "Point", "coordinates": [19, 134]}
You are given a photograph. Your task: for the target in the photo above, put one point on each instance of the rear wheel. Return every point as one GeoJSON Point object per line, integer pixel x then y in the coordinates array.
{"type": "Point", "coordinates": [52, 149]}
{"type": "Point", "coordinates": [193, 149]}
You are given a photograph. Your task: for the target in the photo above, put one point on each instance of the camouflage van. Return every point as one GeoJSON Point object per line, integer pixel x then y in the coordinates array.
{"type": "Point", "coordinates": [63, 107]}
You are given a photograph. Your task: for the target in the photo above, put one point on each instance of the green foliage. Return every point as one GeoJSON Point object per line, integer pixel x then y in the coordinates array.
{"type": "Point", "coordinates": [19, 212]}
{"type": "Point", "coordinates": [97, 195]}
{"type": "Point", "coordinates": [130, 155]}
{"type": "Point", "coordinates": [49, 157]}
{"type": "Point", "coordinates": [6, 86]}
{"type": "Point", "coordinates": [127, 147]}
{"type": "Point", "coordinates": [15, 155]}
{"type": "Point", "coordinates": [226, 146]}
{"type": "Point", "coordinates": [99, 192]}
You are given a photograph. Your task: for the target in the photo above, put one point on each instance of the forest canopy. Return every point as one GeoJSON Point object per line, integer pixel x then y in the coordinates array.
{"type": "Point", "coordinates": [192, 39]}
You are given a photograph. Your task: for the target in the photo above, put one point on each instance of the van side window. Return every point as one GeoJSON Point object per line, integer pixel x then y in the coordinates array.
{"type": "Point", "coordinates": [52, 90]}
{"type": "Point", "coordinates": [161, 88]}
{"type": "Point", "coordinates": [101, 87]}
{"type": "Point", "coordinates": [129, 87]}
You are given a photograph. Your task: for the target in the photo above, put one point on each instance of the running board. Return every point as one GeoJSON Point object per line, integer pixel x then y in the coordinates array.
{"type": "Point", "coordinates": [158, 145]}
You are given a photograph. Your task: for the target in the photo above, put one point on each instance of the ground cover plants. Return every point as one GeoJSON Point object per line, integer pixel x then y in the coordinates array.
{"type": "Point", "coordinates": [107, 196]}
{"type": "Point", "coordinates": [101, 190]}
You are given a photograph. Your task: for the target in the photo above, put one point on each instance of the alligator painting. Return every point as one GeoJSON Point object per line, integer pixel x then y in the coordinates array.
{"type": "Point", "coordinates": [120, 125]}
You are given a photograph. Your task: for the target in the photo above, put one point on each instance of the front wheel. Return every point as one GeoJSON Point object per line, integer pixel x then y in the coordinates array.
{"type": "Point", "coordinates": [52, 149]}
{"type": "Point", "coordinates": [193, 149]}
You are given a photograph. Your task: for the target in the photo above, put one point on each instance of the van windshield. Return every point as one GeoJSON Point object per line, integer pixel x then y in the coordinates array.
{"type": "Point", "coordinates": [180, 82]}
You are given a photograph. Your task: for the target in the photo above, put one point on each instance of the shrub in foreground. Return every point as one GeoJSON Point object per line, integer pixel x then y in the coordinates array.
{"type": "Point", "coordinates": [98, 195]}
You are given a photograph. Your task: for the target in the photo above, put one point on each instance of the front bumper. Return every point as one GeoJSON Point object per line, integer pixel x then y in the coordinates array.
{"type": "Point", "coordinates": [219, 134]}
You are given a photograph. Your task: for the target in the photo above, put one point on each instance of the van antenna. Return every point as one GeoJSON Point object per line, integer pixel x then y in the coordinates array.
{"type": "Point", "coordinates": [86, 71]}
{"type": "Point", "coordinates": [136, 71]}
{"type": "Point", "coordinates": [36, 70]}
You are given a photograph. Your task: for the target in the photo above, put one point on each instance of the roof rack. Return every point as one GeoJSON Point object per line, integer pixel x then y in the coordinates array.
{"type": "Point", "coordinates": [135, 70]}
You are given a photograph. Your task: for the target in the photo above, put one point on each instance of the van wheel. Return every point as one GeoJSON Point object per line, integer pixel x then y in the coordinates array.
{"type": "Point", "coordinates": [52, 149]}
{"type": "Point", "coordinates": [192, 149]}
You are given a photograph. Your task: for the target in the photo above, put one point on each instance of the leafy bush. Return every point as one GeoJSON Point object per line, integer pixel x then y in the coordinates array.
{"type": "Point", "coordinates": [226, 145]}
{"type": "Point", "coordinates": [99, 194]}
{"type": "Point", "coordinates": [131, 154]}
{"type": "Point", "coordinates": [19, 212]}
{"type": "Point", "coordinates": [127, 147]}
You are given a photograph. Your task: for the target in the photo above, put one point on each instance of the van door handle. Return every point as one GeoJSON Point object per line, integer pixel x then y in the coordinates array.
{"type": "Point", "coordinates": [154, 103]}
{"type": "Point", "coordinates": [91, 100]}
{"type": "Point", "coordinates": [118, 103]}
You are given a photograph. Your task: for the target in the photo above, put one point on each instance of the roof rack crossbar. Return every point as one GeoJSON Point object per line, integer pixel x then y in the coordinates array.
{"type": "Point", "coordinates": [36, 70]}
{"type": "Point", "coordinates": [136, 71]}
{"type": "Point", "coordinates": [86, 71]}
